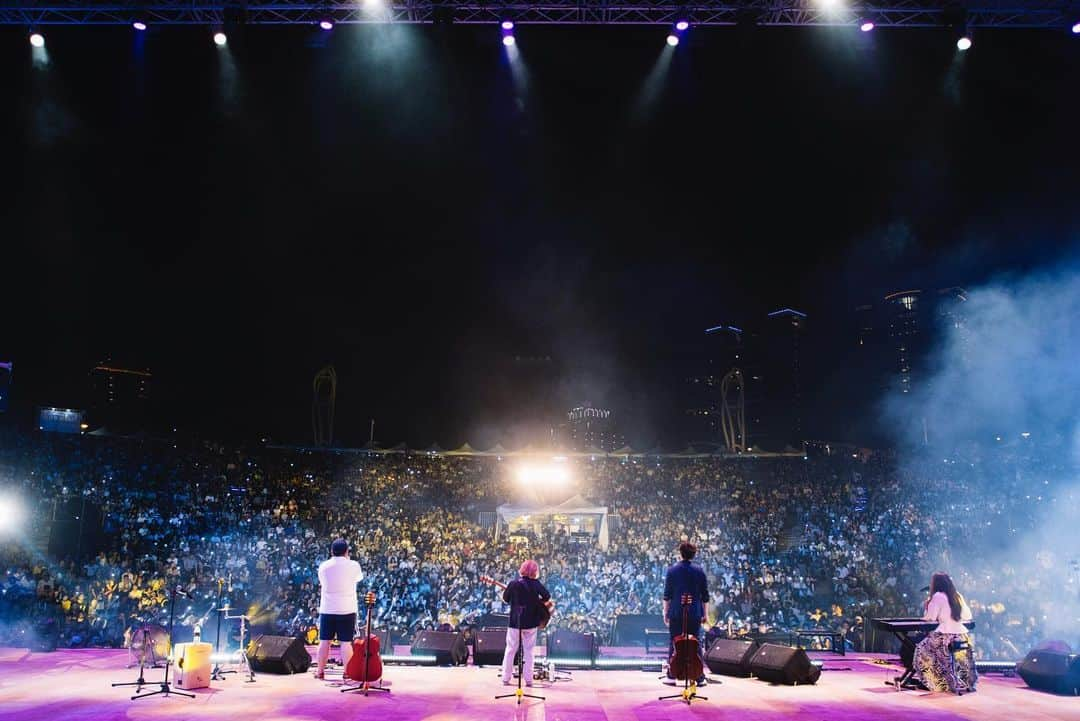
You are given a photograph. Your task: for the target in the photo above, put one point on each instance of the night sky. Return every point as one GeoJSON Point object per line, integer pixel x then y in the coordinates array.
{"type": "Point", "coordinates": [390, 201]}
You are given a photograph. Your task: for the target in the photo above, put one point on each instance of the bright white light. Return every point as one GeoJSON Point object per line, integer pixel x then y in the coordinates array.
{"type": "Point", "coordinates": [682, 25]}
{"type": "Point", "coordinates": [672, 40]}
{"type": "Point", "coordinates": [963, 43]}
{"type": "Point", "coordinates": [373, 5]}
{"type": "Point", "coordinates": [553, 474]}
{"type": "Point", "coordinates": [11, 511]}
{"type": "Point", "coordinates": [831, 6]}
{"type": "Point", "coordinates": [140, 26]}
{"type": "Point", "coordinates": [220, 39]}
{"type": "Point", "coordinates": [866, 26]}
{"type": "Point", "coordinates": [37, 40]}
{"type": "Point", "coordinates": [508, 40]}
{"type": "Point", "coordinates": [507, 24]}
{"type": "Point", "coordinates": [1076, 29]}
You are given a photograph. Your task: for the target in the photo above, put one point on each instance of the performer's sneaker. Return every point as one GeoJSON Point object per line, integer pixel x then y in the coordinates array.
{"type": "Point", "coordinates": [703, 681]}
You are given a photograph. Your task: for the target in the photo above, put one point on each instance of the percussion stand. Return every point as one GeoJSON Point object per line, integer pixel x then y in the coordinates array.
{"type": "Point", "coordinates": [244, 663]}
{"type": "Point", "coordinates": [218, 674]}
{"type": "Point", "coordinates": [140, 682]}
{"type": "Point", "coordinates": [166, 689]}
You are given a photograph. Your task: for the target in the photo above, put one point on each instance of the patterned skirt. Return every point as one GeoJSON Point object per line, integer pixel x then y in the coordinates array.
{"type": "Point", "coordinates": [940, 669]}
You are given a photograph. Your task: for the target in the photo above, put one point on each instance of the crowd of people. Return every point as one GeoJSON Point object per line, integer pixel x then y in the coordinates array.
{"type": "Point", "coordinates": [787, 543]}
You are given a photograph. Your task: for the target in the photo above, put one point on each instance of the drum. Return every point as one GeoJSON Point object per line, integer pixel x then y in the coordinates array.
{"type": "Point", "coordinates": [154, 639]}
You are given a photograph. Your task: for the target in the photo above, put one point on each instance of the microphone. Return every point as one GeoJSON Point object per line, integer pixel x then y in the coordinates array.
{"type": "Point", "coordinates": [924, 589]}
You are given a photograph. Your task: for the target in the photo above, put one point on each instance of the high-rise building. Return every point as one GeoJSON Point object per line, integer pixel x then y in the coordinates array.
{"type": "Point", "coordinates": [5, 384]}
{"type": "Point", "coordinates": [782, 378]}
{"type": "Point", "coordinates": [723, 349]}
{"type": "Point", "coordinates": [119, 396]}
{"type": "Point", "coordinates": [916, 319]}
{"type": "Point", "coordinates": [587, 428]}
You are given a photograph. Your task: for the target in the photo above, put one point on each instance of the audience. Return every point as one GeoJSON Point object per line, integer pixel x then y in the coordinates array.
{"type": "Point", "coordinates": [787, 543]}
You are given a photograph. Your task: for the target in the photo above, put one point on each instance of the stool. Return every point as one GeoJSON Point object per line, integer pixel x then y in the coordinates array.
{"type": "Point", "coordinates": [958, 646]}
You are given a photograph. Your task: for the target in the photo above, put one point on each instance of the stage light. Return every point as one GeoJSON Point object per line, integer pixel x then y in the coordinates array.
{"type": "Point", "coordinates": [37, 40]}
{"type": "Point", "coordinates": [672, 40]}
{"type": "Point", "coordinates": [682, 25]}
{"type": "Point", "coordinates": [549, 475]}
{"type": "Point", "coordinates": [964, 43]}
{"type": "Point", "coordinates": [139, 25]}
{"type": "Point", "coordinates": [11, 513]}
{"type": "Point", "coordinates": [1076, 29]}
{"type": "Point", "coordinates": [326, 24]}
{"type": "Point", "coordinates": [866, 26]}
{"type": "Point", "coordinates": [220, 39]}
{"type": "Point", "coordinates": [508, 40]}
{"type": "Point", "coordinates": [507, 24]}
{"type": "Point", "coordinates": [831, 6]}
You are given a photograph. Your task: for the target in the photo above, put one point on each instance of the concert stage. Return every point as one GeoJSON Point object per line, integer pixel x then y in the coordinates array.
{"type": "Point", "coordinates": [75, 684]}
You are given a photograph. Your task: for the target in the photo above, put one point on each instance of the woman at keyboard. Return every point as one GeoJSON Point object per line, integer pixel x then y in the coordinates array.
{"type": "Point", "coordinates": [945, 659]}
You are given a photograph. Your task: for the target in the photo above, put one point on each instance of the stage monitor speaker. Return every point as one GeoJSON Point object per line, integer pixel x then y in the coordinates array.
{"type": "Point", "coordinates": [1052, 671]}
{"type": "Point", "coordinates": [490, 647]}
{"type": "Point", "coordinates": [278, 654]}
{"type": "Point", "coordinates": [783, 664]}
{"type": "Point", "coordinates": [730, 657]}
{"type": "Point", "coordinates": [571, 644]}
{"type": "Point", "coordinates": [448, 647]}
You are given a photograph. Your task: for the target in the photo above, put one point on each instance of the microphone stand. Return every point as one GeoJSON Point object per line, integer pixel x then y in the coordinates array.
{"type": "Point", "coordinates": [218, 674]}
{"type": "Point", "coordinates": [520, 692]}
{"type": "Point", "coordinates": [166, 689]}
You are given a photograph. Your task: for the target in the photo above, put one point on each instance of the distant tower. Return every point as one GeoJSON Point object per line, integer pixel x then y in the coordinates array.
{"type": "Point", "coordinates": [733, 414]}
{"type": "Point", "coordinates": [324, 395]}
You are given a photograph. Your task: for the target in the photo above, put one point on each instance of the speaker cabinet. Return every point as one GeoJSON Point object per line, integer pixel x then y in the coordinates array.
{"type": "Point", "coordinates": [783, 664]}
{"type": "Point", "coordinates": [448, 647]}
{"type": "Point", "coordinates": [571, 644]}
{"type": "Point", "coordinates": [490, 647]}
{"type": "Point", "coordinates": [278, 654]}
{"type": "Point", "coordinates": [731, 657]}
{"type": "Point", "coordinates": [1052, 671]}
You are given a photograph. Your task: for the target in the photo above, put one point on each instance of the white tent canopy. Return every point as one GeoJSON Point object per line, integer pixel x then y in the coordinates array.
{"type": "Point", "coordinates": [573, 512]}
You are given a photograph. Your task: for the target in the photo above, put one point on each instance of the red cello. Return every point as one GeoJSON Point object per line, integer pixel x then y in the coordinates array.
{"type": "Point", "coordinates": [685, 662]}
{"type": "Point", "coordinates": [365, 665]}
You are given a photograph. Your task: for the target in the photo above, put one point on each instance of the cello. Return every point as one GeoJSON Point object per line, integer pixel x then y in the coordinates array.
{"type": "Point", "coordinates": [365, 665]}
{"type": "Point", "coordinates": [685, 661]}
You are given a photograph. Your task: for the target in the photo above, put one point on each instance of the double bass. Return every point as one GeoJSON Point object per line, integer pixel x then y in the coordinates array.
{"type": "Point", "coordinates": [365, 665]}
{"type": "Point", "coordinates": [686, 659]}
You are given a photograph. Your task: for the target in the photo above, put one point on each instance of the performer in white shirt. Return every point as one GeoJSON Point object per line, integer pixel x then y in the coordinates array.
{"type": "Point", "coordinates": [338, 576]}
{"type": "Point", "coordinates": [933, 666]}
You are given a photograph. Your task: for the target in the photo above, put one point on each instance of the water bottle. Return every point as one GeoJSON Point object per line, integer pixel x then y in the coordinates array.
{"type": "Point", "coordinates": [198, 633]}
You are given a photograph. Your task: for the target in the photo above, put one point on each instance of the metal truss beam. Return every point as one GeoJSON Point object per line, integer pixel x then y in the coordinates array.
{"type": "Point", "coordinates": [883, 13]}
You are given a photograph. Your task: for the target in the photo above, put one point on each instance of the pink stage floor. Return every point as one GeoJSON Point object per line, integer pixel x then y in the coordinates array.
{"type": "Point", "coordinates": [75, 684]}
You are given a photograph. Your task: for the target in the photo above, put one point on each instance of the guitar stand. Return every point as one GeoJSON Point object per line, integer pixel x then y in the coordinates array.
{"type": "Point", "coordinates": [689, 692]}
{"type": "Point", "coordinates": [140, 681]}
{"type": "Point", "coordinates": [519, 693]}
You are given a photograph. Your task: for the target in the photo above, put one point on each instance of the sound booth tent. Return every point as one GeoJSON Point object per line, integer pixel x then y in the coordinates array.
{"type": "Point", "coordinates": [512, 517]}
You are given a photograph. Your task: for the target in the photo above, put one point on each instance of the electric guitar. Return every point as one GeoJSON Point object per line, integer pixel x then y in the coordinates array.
{"type": "Point", "coordinates": [547, 608]}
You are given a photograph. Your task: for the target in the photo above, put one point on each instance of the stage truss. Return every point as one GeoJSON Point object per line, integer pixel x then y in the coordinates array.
{"type": "Point", "coordinates": [898, 13]}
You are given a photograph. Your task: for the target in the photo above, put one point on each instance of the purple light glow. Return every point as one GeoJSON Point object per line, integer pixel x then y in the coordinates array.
{"type": "Point", "coordinates": [326, 24]}
{"type": "Point", "coordinates": [1076, 29]}
{"type": "Point", "coordinates": [140, 26]}
{"type": "Point", "coordinates": [507, 24]}
{"type": "Point", "coordinates": [508, 40]}
{"type": "Point", "coordinates": [866, 26]}
{"type": "Point", "coordinates": [682, 25]}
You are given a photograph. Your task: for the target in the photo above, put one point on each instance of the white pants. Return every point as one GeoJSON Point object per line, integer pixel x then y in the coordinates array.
{"type": "Point", "coordinates": [528, 640]}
